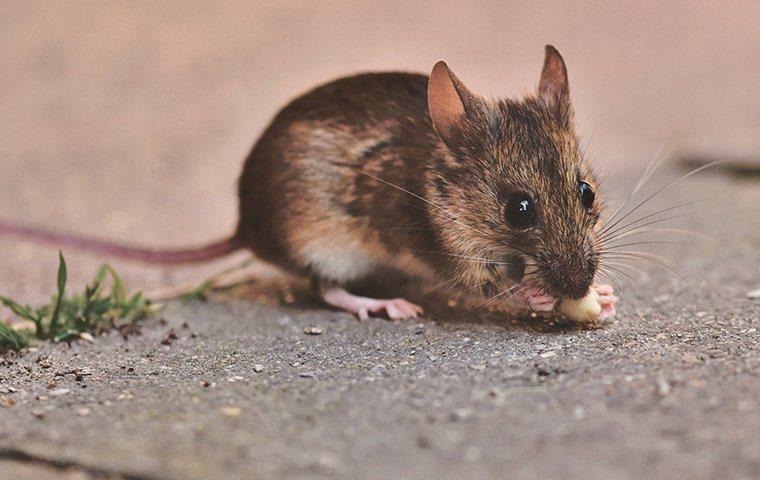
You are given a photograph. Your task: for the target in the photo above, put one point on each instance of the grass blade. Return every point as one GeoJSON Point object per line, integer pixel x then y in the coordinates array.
{"type": "Point", "coordinates": [61, 283]}
{"type": "Point", "coordinates": [18, 309]}
{"type": "Point", "coordinates": [11, 339]}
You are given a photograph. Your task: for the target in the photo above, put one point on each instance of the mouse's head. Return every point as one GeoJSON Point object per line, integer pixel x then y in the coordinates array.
{"type": "Point", "coordinates": [513, 187]}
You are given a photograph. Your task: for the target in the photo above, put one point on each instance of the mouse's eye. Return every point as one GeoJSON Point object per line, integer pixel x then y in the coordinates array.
{"type": "Point", "coordinates": [587, 194]}
{"type": "Point", "coordinates": [520, 211]}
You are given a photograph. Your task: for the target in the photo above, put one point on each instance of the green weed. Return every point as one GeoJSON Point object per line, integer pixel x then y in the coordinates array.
{"type": "Point", "coordinates": [95, 310]}
{"type": "Point", "coordinates": [12, 339]}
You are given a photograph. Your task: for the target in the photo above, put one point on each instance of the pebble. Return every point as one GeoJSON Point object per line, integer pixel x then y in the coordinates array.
{"type": "Point", "coordinates": [59, 392]}
{"type": "Point", "coordinates": [306, 375]}
{"type": "Point", "coordinates": [84, 411]}
{"type": "Point", "coordinates": [461, 414]}
{"type": "Point", "coordinates": [548, 354]}
{"type": "Point", "coordinates": [87, 337]}
{"type": "Point", "coordinates": [663, 387]}
{"type": "Point", "coordinates": [313, 331]}
{"type": "Point", "coordinates": [258, 368]}
{"type": "Point", "coordinates": [754, 294]}
{"type": "Point", "coordinates": [231, 411]}
{"type": "Point", "coordinates": [689, 359]}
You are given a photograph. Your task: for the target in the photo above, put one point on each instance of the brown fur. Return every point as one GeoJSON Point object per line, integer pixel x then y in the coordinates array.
{"type": "Point", "coordinates": [321, 191]}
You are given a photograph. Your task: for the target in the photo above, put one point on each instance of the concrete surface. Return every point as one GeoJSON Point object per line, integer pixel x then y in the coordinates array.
{"type": "Point", "coordinates": [132, 121]}
{"type": "Point", "coordinates": [668, 390]}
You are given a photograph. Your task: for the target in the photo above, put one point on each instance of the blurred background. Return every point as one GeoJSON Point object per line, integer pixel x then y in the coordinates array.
{"type": "Point", "coordinates": [131, 120]}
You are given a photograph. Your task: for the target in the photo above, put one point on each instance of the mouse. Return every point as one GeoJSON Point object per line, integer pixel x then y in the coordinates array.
{"type": "Point", "coordinates": [418, 174]}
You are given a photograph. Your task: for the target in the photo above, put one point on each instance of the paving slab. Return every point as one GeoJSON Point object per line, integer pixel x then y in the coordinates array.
{"type": "Point", "coordinates": [129, 121]}
{"type": "Point", "coordinates": [669, 389]}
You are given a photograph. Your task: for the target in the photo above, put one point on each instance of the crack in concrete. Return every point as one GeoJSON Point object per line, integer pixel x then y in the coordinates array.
{"type": "Point", "coordinates": [21, 456]}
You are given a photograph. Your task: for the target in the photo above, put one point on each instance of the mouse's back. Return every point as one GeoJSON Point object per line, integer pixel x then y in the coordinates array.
{"type": "Point", "coordinates": [304, 203]}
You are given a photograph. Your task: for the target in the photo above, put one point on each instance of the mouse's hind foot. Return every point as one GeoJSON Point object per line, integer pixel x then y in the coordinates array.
{"type": "Point", "coordinates": [363, 307]}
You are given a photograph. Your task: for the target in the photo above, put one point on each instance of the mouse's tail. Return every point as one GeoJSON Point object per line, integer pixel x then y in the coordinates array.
{"type": "Point", "coordinates": [124, 251]}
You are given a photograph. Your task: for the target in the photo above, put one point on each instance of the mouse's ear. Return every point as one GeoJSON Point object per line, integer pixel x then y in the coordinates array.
{"type": "Point", "coordinates": [449, 102]}
{"type": "Point", "coordinates": [553, 89]}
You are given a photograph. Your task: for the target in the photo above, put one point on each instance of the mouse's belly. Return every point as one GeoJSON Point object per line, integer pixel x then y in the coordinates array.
{"type": "Point", "coordinates": [342, 249]}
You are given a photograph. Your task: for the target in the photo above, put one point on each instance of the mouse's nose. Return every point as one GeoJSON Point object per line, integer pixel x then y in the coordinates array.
{"type": "Point", "coordinates": [570, 279]}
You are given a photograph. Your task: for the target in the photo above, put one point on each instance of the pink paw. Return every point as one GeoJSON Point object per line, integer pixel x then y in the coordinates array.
{"type": "Point", "coordinates": [539, 300]}
{"type": "Point", "coordinates": [395, 308]}
{"type": "Point", "coordinates": [542, 302]}
{"type": "Point", "coordinates": [608, 300]}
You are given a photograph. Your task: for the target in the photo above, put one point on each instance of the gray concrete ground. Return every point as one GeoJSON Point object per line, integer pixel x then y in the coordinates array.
{"type": "Point", "coordinates": [667, 390]}
{"type": "Point", "coordinates": [131, 123]}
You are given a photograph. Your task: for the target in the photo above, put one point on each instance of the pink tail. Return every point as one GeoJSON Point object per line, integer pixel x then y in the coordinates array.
{"type": "Point", "coordinates": [114, 249]}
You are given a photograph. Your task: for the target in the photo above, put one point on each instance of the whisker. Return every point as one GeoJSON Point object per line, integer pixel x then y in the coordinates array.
{"type": "Point", "coordinates": [458, 289]}
{"type": "Point", "coordinates": [608, 234]}
{"type": "Point", "coordinates": [633, 282]}
{"type": "Point", "coordinates": [467, 257]}
{"type": "Point", "coordinates": [686, 214]}
{"type": "Point", "coordinates": [612, 277]}
{"type": "Point", "coordinates": [588, 142]}
{"type": "Point", "coordinates": [709, 250]}
{"type": "Point", "coordinates": [504, 292]}
{"type": "Point", "coordinates": [642, 231]}
{"type": "Point", "coordinates": [611, 248]}
{"type": "Point", "coordinates": [650, 168]}
{"type": "Point", "coordinates": [453, 219]}
{"type": "Point", "coordinates": [449, 216]}
{"type": "Point", "coordinates": [628, 277]}
{"type": "Point", "coordinates": [619, 264]}
{"type": "Point", "coordinates": [660, 190]}
{"type": "Point", "coordinates": [650, 257]}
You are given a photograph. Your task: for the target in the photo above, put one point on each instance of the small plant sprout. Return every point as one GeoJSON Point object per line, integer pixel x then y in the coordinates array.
{"type": "Point", "coordinates": [96, 310]}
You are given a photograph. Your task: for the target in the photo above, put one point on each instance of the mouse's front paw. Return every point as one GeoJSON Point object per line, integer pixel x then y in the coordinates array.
{"type": "Point", "coordinates": [607, 299]}
{"type": "Point", "coordinates": [539, 300]}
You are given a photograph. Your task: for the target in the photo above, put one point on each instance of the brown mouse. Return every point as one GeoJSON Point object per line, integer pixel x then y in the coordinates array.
{"type": "Point", "coordinates": [421, 175]}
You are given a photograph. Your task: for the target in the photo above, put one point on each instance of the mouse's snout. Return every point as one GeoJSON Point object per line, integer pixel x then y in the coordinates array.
{"type": "Point", "coordinates": [568, 277]}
